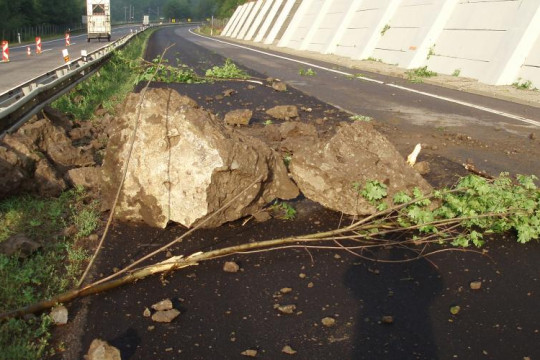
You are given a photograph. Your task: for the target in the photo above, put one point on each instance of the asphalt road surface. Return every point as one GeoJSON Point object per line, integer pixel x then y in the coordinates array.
{"type": "Point", "coordinates": [22, 68]}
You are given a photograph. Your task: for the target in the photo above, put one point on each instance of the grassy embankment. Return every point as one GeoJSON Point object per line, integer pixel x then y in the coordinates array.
{"type": "Point", "coordinates": [56, 266]}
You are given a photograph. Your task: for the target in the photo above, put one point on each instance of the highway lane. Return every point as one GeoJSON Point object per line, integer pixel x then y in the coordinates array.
{"type": "Point", "coordinates": [22, 67]}
{"type": "Point", "coordinates": [494, 134]}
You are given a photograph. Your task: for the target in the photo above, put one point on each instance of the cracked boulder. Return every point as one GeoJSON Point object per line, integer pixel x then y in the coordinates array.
{"type": "Point", "coordinates": [326, 170]}
{"type": "Point", "coordinates": [186, 164]}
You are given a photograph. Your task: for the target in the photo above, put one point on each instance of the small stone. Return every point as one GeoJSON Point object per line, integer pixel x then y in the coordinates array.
{"type": "Point", "coordinates": [262, 216]}
{"type": "Point", "coordinates": [454, 310]}
{"type": "Point", "coordinates": [251, 87]}
{"type": "Point", "coordinates": [238, 117]}
{"type": "Point", "coordinates": [219, 97]}
{"type": "Point", "coordinates": [163, 305]}
{"type": "Point", "coordinates": [288, 350]}
{"type": "Point", "coordinates": [475, 285]}
{"type": "Point", "coordinates": [231, 266]}
{"type": "Point", "coordinates": [249, 352]}
{"type": "Point", "coordinates": [150, 328]}
{"type": "Point", "coordinates": [302, 276]}
{"type": "Point", "coordinates": [337, 256]}
{"type": "Point", "coordinates": [168, 254]}
{"type": "Point", "coordinates": [310, 285]}
{"type": "Point", "coordinates": [285, 290]}
{"type": "Point", "coordinates": [19, 244]}
{"type": "Point", "coordinates": [387, 319]}
{"type": "Point", "coordinates": [146, 312]}
{"type": "Point", "coordinates": [422, 167]}
{"type": "Point", "coordinates": [93, 238]}
{"type": "Point", "coordinates": [101, 350]}
{"type": "Point", "coordinates": [328, 321]}
{"type": "Point", "coordinates": [229, 92]}
{"type": "Point", "coordinates": [59, 315]}
{"type": "Point", "coordinates": [279, 86]}
{"type": "Point", "coordinates": [532, 136]}
{"type": "Point", "coordinates": [286, 309]}
{"type": "Point", "coordinates": [165, 316]}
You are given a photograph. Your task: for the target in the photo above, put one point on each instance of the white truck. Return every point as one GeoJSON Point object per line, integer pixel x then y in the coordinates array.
{"type": "Point", "coordinates": [98, 17]}
{"type": "Point", "coordinates": [146, 21]}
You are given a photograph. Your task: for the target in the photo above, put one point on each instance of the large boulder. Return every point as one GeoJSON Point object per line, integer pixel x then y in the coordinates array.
{"type": "Point", "coordinates": [186, 164]}
{"type": "Point", "coordinates": [326, 170]}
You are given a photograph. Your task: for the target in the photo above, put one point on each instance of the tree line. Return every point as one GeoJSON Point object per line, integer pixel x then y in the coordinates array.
{"type": "Point", "coordinates": [38, 17]}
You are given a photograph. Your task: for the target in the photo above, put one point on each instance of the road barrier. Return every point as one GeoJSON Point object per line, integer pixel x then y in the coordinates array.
{"type": "Point", "coordinates": [65, 54]}
{"type": "Point", "coordinates": [68, 39]}
{"type": "Point", "coordinates": [5, 51]}
{"type": "Point", "coordinates": [38, 45]}
{"type": "Point", "coordinates": [28, 51]}
{"type": "Point", "coordinates": [19, 104]}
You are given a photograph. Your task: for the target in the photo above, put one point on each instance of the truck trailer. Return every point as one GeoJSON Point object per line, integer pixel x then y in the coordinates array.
{"type": "Point", "coordinates": [98, 19]}
{"type": "Point", "coordinates": [146, 21]}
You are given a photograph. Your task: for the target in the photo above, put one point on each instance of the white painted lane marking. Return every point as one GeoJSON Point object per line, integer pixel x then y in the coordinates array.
{"type": "Point", "coordinates": [290, 59]}
{"type": "Point", "coordinates": [455, 101]}
{"type": "Point", "coordinates": [464, 103]}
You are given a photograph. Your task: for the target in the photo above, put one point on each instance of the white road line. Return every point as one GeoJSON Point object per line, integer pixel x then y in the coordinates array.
{"type": "Point", "coordinates": [455, 101]}
{"type": "Point", "coordinates": [474, 106]}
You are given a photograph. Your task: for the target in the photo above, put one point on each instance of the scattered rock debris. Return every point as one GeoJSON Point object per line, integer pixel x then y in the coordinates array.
{"type": "Point", "coordinates": [328, 321]}
{"type": "Point", "coordinates": [163, 305]}
{"type": "Point", "coordinates": [231, 267]}
{"type": "Point", "coordinates": [285, 309]}
{"type": "Point", "coordinates": [101, 350]}
{"type": "Point", "coordinates": [475, 285]}
{"type": "Point", "coordinates": [288, 350]}
{"type": "Point", "coordinates": [165, 316]}
{"type": "Point", "coordinates": [59, 315]}
{"type": "Point", "coordinates": [249, 352]}
{"type": "Point", "coordinates": [387, 319]}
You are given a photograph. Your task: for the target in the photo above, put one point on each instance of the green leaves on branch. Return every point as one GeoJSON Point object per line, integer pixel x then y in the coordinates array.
{"type": "Point", "coordinates": [463, 215]}
{"type": "Point", "coordinates": [228, 71]}
{"type": "Point", "coordinates": [160, 70]}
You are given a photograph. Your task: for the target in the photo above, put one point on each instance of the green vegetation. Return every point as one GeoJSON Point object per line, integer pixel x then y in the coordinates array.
{"type": "Point", "coordinates": [360, 118]}
{"type": "Point", "coordinates": [371, 58]}
{"type": "Point", "coordinates": [464, 215]}
{"type": "Point", "coordinates": [456, 72]}
{"type": "Point", "coordinates": [47, 272]}
{"type": "Point", "coordinates": [385, 29]}
{"type": "Point", "coordinates": [268, 122]}
{"type": "Point", "coordinates": [308, 72]}
{"type": "Point", "coordinates": [228, 71]}
{"type": "Point", "coordinates": [416, 75]}
{"type": "Point", "coordinates": [284, 210]}
{"type": "Point", "coordinates": [287, 158]}
{"type": "Point", "coordinates": [431, 52]}
{"type": "Point", "coordinates": [523, 84]}
{"type": "Point", "coordinates": [159, 70]}
{"type": "Point", "coordinates": [109, 86]}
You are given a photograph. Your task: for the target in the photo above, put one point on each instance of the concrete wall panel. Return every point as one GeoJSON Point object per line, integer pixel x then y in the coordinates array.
{"type": "Point", "coordinates": [495, 41]}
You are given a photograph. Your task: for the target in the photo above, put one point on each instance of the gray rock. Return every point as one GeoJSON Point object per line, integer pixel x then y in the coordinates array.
{"type": "Point", "coordinates": [165, 316]}
{"type": "Point", "coordinates": [19, 243]}
{"type": "Point", "coordinates": [87, 177]}
{"type": "Point", "coordinates": [59, 315]}
{"type": "Point", "coordinates": [283, 112]}
{"type": "Point", "coordinates": [49, 181]}
{"type": "Point", "coordinates": [101, 350]}
{"type": "Point", "coordinates": [325, 171]}
{"type": "Point", "coordinates": [163, 305]}
{"type": "Point", "coordinates": [238, 117]}
{"type": "Point", "coordinates": [190, 165]}
{"type": "Point", "coordinates": [279, 86]}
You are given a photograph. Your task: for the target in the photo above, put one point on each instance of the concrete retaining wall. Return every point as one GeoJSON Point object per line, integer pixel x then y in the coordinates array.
{"type": "Point", "coordinates": [494, 41]}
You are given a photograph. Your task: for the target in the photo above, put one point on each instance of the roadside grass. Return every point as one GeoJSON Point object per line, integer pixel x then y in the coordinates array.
{"type": "Point", "coordinates": [521, 84]}
{"type": "Point", "coordinates": [109, 86]}
{"type": "Point", "coordinates": [49, 271]}
{"type": "Point", "coordinates": [416, 75]}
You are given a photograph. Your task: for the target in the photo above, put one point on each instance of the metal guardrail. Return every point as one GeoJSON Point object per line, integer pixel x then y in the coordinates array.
{"type": "Point", "coordinates": [22, 102]}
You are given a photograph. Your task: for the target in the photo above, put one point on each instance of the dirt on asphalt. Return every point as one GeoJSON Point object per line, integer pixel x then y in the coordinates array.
{"type": "Point", "coordinates": [381, 309]}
